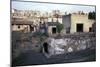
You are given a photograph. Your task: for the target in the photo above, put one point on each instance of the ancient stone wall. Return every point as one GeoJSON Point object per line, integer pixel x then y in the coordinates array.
{"type": "Point", "coordinates": [71, 43]}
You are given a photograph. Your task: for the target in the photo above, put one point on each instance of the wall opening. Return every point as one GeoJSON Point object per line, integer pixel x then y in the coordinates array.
{"type": "Point", "coordinates": [45, 46]}
{"type": "Point", "coordinates": [31, 28]}
{"type": "Point", "coordinates": [90, 29]}
{"type": "Point", "coordinates": [53, 30]}
{"type": "Point", "coordinates": [18, 26]}
{"type": "Point", "coordinates": [68, 30]}
{"type": "Point", "coordinates": [79, 27]}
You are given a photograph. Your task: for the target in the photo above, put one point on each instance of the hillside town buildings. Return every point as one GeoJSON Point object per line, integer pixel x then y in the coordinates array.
{"type": "Point", "coordinates": [33, 21]}
{"type": "Point", "coordinates": [77, 22]}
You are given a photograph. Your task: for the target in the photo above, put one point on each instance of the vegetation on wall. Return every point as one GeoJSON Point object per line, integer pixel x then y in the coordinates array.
{"type": "Point", "coordinates": [92, 15]}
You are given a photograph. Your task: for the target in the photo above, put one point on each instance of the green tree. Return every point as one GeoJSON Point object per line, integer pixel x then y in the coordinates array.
{"type": "Point", "coordinates": [59, 27]}
{"type": "Point", "coordinates": [92, 15]}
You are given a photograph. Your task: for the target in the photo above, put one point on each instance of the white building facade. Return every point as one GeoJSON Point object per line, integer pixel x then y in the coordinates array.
{"type": "Point", "coordinates": [81, 23]}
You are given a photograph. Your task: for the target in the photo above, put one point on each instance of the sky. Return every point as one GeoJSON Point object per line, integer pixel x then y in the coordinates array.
{"type": "Point", "coordinates": [48, 7]}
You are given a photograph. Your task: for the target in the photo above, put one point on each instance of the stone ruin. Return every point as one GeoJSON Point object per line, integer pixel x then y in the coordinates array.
{"type": "Point", "coordinates": [67, 45]}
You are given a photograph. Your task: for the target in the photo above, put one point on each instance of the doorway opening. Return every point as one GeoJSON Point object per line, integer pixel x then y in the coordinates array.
{"type": "Point", "coordinates": [45, 46]}
{"type": "Point", "coordinates": [54, 30]}
{"type": "Point", "coordinates": [79, 27]}
{"type": "Point", "coordinates": [31, 28]}
{"type": "Point", "coordinates": [90, 29]}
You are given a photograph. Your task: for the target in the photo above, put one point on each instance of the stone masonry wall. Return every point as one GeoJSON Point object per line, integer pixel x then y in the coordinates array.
{"type": "Point", "coordinates": [71, 43]}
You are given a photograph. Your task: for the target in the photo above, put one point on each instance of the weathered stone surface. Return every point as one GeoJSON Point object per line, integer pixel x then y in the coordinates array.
{"type": "Point", "coordinates": [70, 44]}
{"type": "Point", "coordinates": [22, 42]}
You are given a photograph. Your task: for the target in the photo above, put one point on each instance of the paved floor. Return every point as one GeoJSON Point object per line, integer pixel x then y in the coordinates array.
{"type": "Point", "coordinates": [31, 58]}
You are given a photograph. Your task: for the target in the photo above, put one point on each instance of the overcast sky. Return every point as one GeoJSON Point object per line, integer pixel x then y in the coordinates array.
{"type": "Point", "coordinates": [48, 7]}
